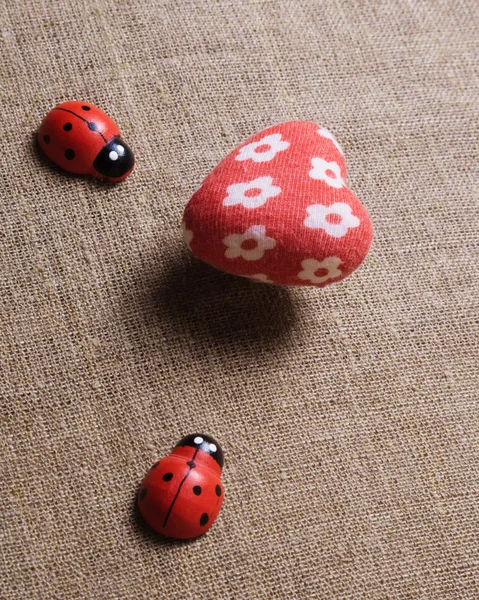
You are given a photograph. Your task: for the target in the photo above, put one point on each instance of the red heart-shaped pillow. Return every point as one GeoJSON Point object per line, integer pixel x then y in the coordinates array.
{"type": "Point", "coordinates": [277, 210]}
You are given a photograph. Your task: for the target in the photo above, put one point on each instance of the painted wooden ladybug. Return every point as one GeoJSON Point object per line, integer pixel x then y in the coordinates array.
{"type": "Point", "coordinates": [82, 139]}
{"type": "Point", "coordinates": [181, 495]}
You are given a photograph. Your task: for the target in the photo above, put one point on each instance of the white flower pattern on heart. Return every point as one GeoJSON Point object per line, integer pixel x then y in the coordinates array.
{"type": "Point", "coordinates": [264, 149]}
{"type": "Point", "coordinates": [187, 233]}
{"type": "Point", "coordinates": [329, 172]}
{"type": "Point", "coordinates": [336, 220]}
{"type": "Point", "coordinates": [251, 194]}
{"type": "Point", "coordinates": [278, 210]}
{"type": "Point", "coordinates": [261, 277]}
{"type": "Point", "coordinates": [254, 238]}
{"type": "Point", "coordinates": [323, 132]}
{"type": "Point", "coordinates": [328, 269]}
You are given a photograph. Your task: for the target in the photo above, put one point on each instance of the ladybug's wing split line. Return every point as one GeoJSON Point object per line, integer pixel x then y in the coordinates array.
{"type": "Point", "coordinates": [191, 464]}
{"type": "Point", "coordinates": [83, 119]}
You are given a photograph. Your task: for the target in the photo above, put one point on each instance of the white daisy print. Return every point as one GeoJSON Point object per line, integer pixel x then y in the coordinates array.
{"type": "Point", "coordinates": [263, 150]}
{"type": "Point", "coordinates": [330, 172]}
{"type": "Point", "coordinates": [187, 233]}
{"type": "Point", "coordinates": [261, 277]}
{"type": "Point", "coordinates": [250, 245]}
{"type": "Point", "coordinates": [323, 132]}
{"type": "Point", "coordinates": [251, 194]}
{"type": "Point", "coordinates": [336, 220]}
{"type": "Point", "coordinates": [320, 271]}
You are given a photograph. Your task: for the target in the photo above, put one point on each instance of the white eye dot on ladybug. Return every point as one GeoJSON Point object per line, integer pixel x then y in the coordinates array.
{"type": "Point", "coordinates": [198, 440]}
{"type": "Point", "coordinates": [213, 448]}
{"type": "Point", "coordinates": [118, 152]}
{"type": "Point", "coordinates": [114, 160]}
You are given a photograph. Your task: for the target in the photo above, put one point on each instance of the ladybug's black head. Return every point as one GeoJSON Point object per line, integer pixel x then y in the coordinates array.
{"type": "Point", "coordinates": [205, 443]}
{"type": "Point", "coordinates": [115, 160]}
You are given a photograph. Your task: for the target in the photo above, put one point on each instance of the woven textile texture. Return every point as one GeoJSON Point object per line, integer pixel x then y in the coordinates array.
{"type": "Point", "coordinates": [348, 415]}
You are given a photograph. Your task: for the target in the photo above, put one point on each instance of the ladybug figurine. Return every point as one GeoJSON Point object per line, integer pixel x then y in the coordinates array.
{"type": "Point", "coordinates": [181, 495]}
{"type": "Point", "coordinates": [82, 139]}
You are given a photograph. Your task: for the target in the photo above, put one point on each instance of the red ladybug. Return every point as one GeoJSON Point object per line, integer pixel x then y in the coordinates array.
{"type": "Point", "coordinates": [81, 138]}
{"type": "Point", "coordinates": [182, 494]}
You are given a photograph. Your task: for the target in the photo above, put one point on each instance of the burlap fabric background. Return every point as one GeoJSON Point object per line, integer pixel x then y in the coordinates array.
{"type": "Point", "coordinates": [349, 415]}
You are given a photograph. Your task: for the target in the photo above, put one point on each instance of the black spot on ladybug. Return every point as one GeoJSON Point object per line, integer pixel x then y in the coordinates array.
{"type": "Point", "coordinates": [142, 493]}
{"type": "Point", "coordinates": [69, 154]}
{"type": "Point", "coordinates": [167, 476]}
{"type": "Point", "coordinates": [155, 465]}
{"type": "Point", "coordinates": [67, 127]}
{"type": "Point", "coordinates": [197, 490]}
{"type": "Point", "coordinates": [218, 490]}
{"type": "Point", "coordinates": [85, 107]}
{"type": "Point", "coordinates": [92, 126]}
{"type": "Point", "coordinates": [191, 464]}
{"type": "Point", "coordinates": [46, 139]}
{"type": "Point", "coordinates": [204, 519]}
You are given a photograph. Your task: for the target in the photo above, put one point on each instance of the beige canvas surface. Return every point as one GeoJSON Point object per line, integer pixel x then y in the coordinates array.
{"type": "Point", "coordinates": [348, 416]}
